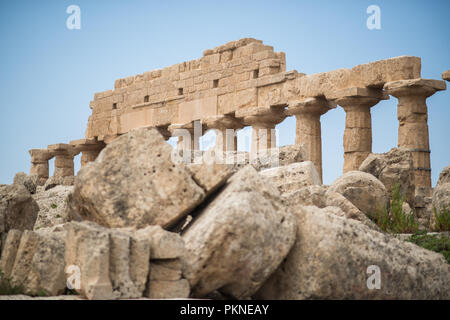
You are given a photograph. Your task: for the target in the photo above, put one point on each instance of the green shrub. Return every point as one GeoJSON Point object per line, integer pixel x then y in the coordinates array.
{"type": "Point", "coordinates": [436, 243]}
{"type": "Point", "coordinates": [54, 206]}
{"type": "Point", "coordinates": [395, 220]}
{"type": "Point", "coordinates": [442, 219]}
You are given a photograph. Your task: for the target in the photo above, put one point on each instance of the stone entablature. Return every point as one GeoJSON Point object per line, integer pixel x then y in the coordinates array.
{"type": "Point", "coordinates": [245, 83]}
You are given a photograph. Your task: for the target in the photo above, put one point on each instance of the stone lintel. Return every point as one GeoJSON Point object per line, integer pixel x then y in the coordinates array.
{"type": "Point", "coordinates": [424, 87]}
{"type": "Point", "coordinates": [446, 75]}
{"type": "Point", "coordinates": [82, 145]}
{"type": "Point", "coordinates": [313, 105]}
{"type": "Point", "coordinates": [227, 121]}
{"type": "Point", "coordinates": [358, 92]}
{"type": "Point", "coordinates": [266, 116]}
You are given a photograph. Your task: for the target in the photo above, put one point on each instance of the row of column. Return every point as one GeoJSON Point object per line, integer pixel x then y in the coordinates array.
{"type": "Point", "coordinates": [356, 102]}
{"type": "Point", "coordinates": [64, 155]}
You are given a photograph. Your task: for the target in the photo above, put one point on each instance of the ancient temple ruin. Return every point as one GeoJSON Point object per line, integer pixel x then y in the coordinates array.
{"type": "Point", "coordinates": [245, 83]}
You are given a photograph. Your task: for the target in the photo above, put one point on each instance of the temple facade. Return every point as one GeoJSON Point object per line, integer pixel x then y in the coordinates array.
{"type": "Point", "coordinates": [245, 83]}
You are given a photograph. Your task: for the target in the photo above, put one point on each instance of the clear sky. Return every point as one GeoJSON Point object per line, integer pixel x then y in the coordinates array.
{"type": "Point", "coordinates": [48, 73]}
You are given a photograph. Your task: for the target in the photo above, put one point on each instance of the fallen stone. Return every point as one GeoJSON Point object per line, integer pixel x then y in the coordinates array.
{"type": "Point", "coordinates": [332, 259]}
{"type": "Point", "coordinates": [134, 183]}
{"type": "Point", "coordinates": [391, 168]}
{"type": "Point", "coordinates": [321, 197]}
{"type": "Point", "coordinates": [178, 289]}
{"type": "Point", "coordinates": [88, 248]}
{"type": "Point", "coordinates": [365, 191]}
{"type": "Point", "coordinates": [210, 176]}
{"type": "Point", "coordinates": [54, 181]}
{"type": "Point", "coordinates": [292, 177]}
{"type": "Point", "coordinates": [34, 261]}
{"type": "Point", "coordinates": [29, 182]}
{"type": "Point", "coordinates": [441, 197]}
{"type": "Point", "coordinates": [239, 238]}
{"type": "Point", "coordinates": [166, 270]}
{"type": "Point", "coordinates": [444, 176]}
{"type": "Point", "coordinates": [52, 206]}
{"type": "Point", "coordinates": [18, 210]}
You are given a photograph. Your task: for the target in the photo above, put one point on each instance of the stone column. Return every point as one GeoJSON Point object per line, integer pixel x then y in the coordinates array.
{"type": "Point", "coordinates": [358, 122]}
{"type": "Point", "coordinates": [39, 164]}
{"type": "Point", "coordinates": [64, 154]}
{"type": "Point", "coordinates": [89, 148]}
{"type": "Point", "coordinates": [225, 127]}
{"type": "Point", "coordinates": [308, 128]}
{"type": "Point", "coordinates": [188, 135]}
{"type": "Point", "coordinates": [88, 156]}
{"type": "Point", "coordinates": [412, 114]}
{"type": "Point", "coordinates": [263, 121]}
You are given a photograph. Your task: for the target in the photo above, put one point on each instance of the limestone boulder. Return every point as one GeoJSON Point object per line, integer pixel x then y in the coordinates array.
{"type": "Point", "coordinates": [115, 263]}
{"type": "Point", "coordinates": [444, 176]}
{"type": "Point", "coordinates": [335, 258]}
{"type": "Point", "coordinates": [391, 168]}
{"type": "Point", "coordinates": [362, 189]}
{"type": "Point", "coordinates": [239, 238]}
{"type": "Point", "coordinates": [441, 196]}
{"type": "Point", "coordinates": [210, 176]}
{"type": "Point", "coordinates": [29, 182]}
{"type": "Point", "coordinates": [35, 261]}
{"type": "Point", "coordinates": [18, 209]}
{"type": "Point", "coordinates": [293, 176]}
{"type": "Point", "coordinates": [321, 197]}
{"type": "Point", "coordinates": [52, 206]}
{"type": "Point", "coordinates": [54, 181]}
{"type": "Point", "coordinates": [441, 193]}
{"type": "Point", "coordinates": [133, 182]}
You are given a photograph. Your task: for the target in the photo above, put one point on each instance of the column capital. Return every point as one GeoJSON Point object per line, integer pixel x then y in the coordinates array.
{"type": "Point", "coordinates": [312, 105]}
{"type": "Point", "coordinates": [40, 155]}
{"type": "Point", "coordinates": [446, 75]}
{"type": "Point", "coordinates": [62, 149]}
{"type": "Point", "coordinates": [414, 87]}
{"type": "Point", "coordinates": [261, 116]}
{"type": "Point", "coordinates": [358, 96]}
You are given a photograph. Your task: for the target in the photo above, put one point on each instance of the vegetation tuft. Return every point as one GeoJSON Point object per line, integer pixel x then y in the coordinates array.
{"type": "Point", "coordinates": [395, 220]}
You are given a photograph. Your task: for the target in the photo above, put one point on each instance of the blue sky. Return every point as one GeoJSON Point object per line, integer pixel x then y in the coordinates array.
{"type": "Point", "coordinates": [49, 73]}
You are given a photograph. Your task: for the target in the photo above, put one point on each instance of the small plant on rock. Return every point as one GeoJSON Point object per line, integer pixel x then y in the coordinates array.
{"type": "Point", "coordinates": [442, 219]}
{"type": "Point", "coordinates": [436, 243]}
{"type": "Point", "coordinates": [54, 206]}
{"type": "Point", "coordinates": [396, 220]}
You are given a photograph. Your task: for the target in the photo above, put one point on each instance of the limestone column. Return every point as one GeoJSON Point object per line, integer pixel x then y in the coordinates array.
{"type": "Point", "coordinates": [412, 114]}
{"type": "Point", "coordinates": [89, 148]}
{"type": "Point", "coordinates": [64, 154]}
{"type": "Point", "coordinates": [225, 127]}
{"type": "Point", "coordinates": [88, 156]}
{"type": "Point", "coordinates": [39, 164]}
{"type": "Point", "coordinates": [308, 128]}
{"type": "Point", "coordinates": [358, 122]}
{"type": "Point", "coordinates": [188, 134]}
{"type": "Point", "coordinates": [263, 121]}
